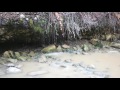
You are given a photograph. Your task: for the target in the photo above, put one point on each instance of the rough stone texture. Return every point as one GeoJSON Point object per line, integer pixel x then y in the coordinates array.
{"type": "Point", "coordinates": [73, 24]}
{"type": "Point", "coordinates": [6, 54]}
{"type": "Point", "coordinates": [91, 18]}
{"type": "Point", "coordinates": [50, 48]}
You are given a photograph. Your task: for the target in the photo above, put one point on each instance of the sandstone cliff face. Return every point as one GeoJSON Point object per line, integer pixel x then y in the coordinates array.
{"type": "Point", "coordinates": [91, 18]}
{"type": "Point", "coordinates": [47, 26]}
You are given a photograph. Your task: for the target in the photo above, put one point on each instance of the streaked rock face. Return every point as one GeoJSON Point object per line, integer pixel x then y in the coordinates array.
{"type": "Point", "coordinates": [38, 23]}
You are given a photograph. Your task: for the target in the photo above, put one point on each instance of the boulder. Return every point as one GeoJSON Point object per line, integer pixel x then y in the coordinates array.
{"type": "Point", "coordinates": [3, 60]}
{"type": "Point", "coordinates": [11, 54]}
{"type": "Point", "coordinates": [23, 54]}
{"type": "Point", "coordinates": [31, 54]}
{"type": "Point", "coordinates": [50, 48]}
{"type": "Point", "coordinates": [12, 60]}
{"type": "Point", "coordinates": [6, 54]}
{"type": "Point", "coordinates": [106, 44]}
{"type": "Point", "coordinates": [94, 41]}
{"type": "Point", "coordinates": [17, 55]}
{"type": "Point", "coordinates": [108, 37]}
{"type": "Point", "coordinates": [22, 58]}
{"type": "Point", "coordinates": [59, 48]}
{"type": "Point", "coordinates": [116, 45]}
{"type": "Point", "coordinates": [85, 48]}
{"type": "Point", "coordinates": [79, 48]}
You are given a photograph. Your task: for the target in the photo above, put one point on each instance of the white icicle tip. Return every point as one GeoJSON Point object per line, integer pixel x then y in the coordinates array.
{"type": "Point", "coordinates": [22, 16]}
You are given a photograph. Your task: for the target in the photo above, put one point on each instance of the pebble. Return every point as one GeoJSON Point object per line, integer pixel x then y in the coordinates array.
{"type": "Point", "coordinates": [13, 70]}
{"type": "Point", "coordinates": [63, 66]}
{"type": "Point", "coordinates": [91, 66]}
{"type": "Point", "coordinates": [68, 60]}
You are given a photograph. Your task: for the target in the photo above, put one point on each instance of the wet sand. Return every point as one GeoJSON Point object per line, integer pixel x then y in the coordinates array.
{"type": "Point", "coordinates": [105, 62]}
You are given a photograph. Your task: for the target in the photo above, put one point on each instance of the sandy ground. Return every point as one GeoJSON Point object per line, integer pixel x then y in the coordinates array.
{"type": "Point", "coordinates": [108, 63]}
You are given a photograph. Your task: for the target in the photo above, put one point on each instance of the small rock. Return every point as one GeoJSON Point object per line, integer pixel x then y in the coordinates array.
{"type": "Point", "coordinates": [6, 54]}
{"type": "Point", "coordinates": [77, 52]}
{"type": "Point", "coordinates": [85, 48]}
{"type": "Point", "coordinates": [91, 66]}
{"type": "Point", "coordinates": [23, 53]}
{"type": "Point", "coordinates": [11, 53]}
{"type": "Point", "coordinates": [12, 60]}
{"type": "Point", "coordinates": [32, 54]}
{"type": "Point", "coordinates": [75, 48]}
{"type": "Point", "coordinates": [62, 66]}
{"type": "Point", "coordinates": [13, 70]}
{"type": "Point", "coordinates": [34, 73]}
{"type": "Point", "coordinates": [75, 65]}
{"type": "Point", "coordinates": [78, 47]}
{"type": "Point", "coordinates": [42, 59]}
{"type": "Point", "coordinates": [59, 48]}
{"type": "Point", "coordinates": [65, 46]}
{"type": "Point", "coordinates": [108, 37]}
{"type": "Point", "coordinates": [103, 37]}
{"type": "Point", "coordinates": [22, 58]}
{"type": "Point", "coordinates": [2, 62]}
{"type": "Point", "coordinates": [68, 60]}
{"type": "Point", "coordinates": [50, 48]}
{"type": "Point", "coordinates": [94, 41]}
{"type": "Point", "coordinates": [116, 45]}
{"type": "Point", "coordinates": [81, 64]}
{"type": "Point", "coordinates": [17, 55]}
